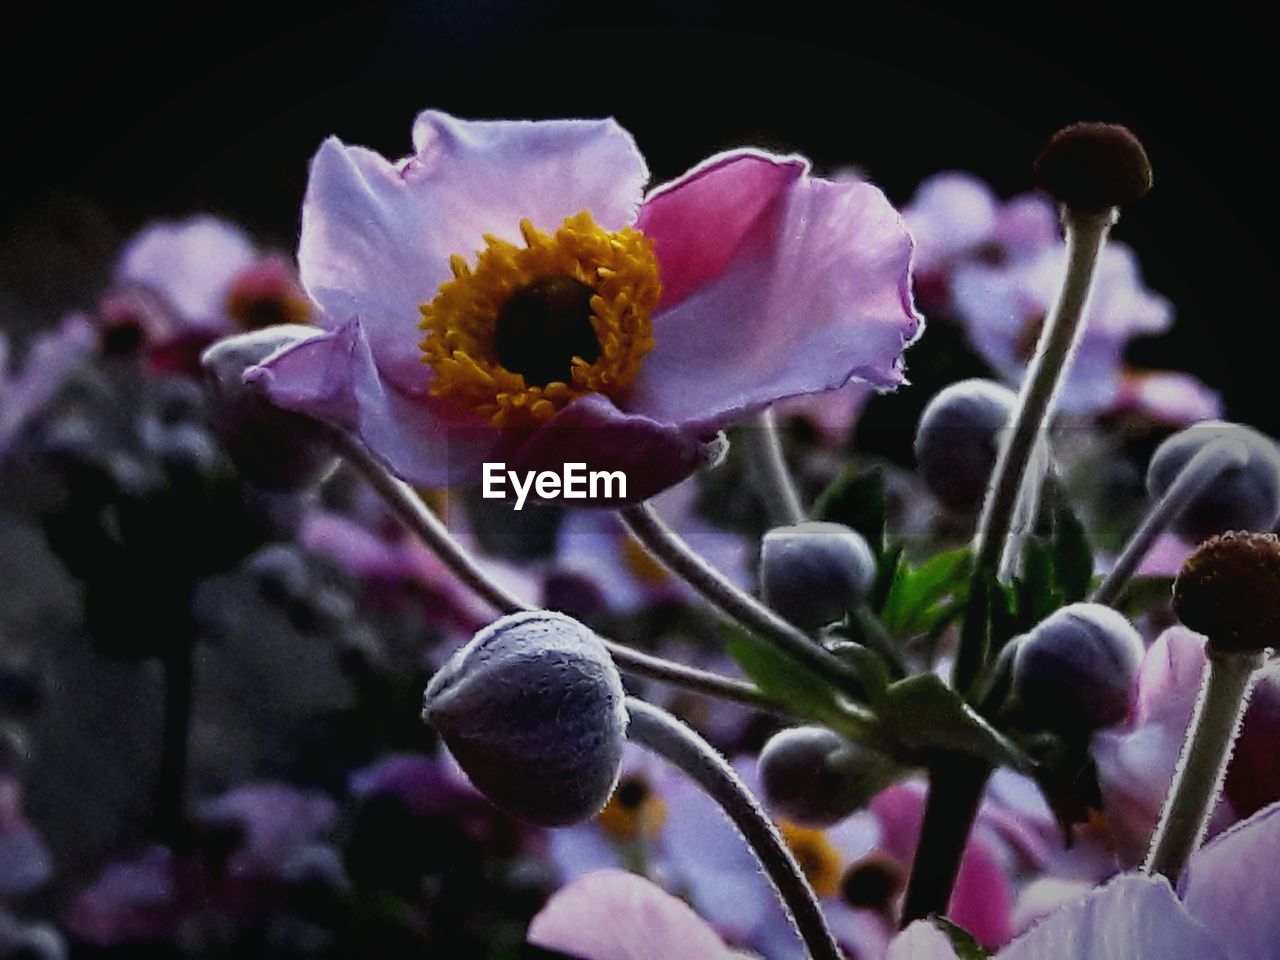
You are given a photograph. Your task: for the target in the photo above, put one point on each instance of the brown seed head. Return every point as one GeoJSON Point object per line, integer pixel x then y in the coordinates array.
{"type": "Point", "coordinates": [1229, 590]}
{"type": "Point", "coordinates": [1092, 167]}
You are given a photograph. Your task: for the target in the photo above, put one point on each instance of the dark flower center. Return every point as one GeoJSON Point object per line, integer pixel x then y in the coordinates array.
{"type": "Point", "coordinates": [632, 793]}
{"type": "Point", "coordinates": [543, 327]}
{"type": "Point", "coordinates": [871, 884]}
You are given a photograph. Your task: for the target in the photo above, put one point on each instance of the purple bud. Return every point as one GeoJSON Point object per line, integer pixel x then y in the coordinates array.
{"type": "Point", "coordinates": [813, 573]}
{"type": "Point", "coordinates": [532, 709]}
{"type": "Point", "coordinates": [1077, 668]}
{"type": "Point", "coordinates": [272, 448]}
{"type": "Point", "coordinates": [816, 778]}
{"type": "Point", "coordinates": [958, 440]}
{"type": "Point", "coordinates": [1246, 497]}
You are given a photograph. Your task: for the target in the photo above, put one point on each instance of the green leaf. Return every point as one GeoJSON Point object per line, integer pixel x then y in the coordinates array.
{"type": "Point", "coordinates": [856, 499]}
{"type": "Point", "coordinates": [803, 690]}
{"type": "Point", "coordinates": [919, 597]}
{"type": "Point", "coordinates": [923, 714]}
{"type": "Point", "coordinates": [962, 941]}
{"type": "Point", "coordinates": [1072, 554]}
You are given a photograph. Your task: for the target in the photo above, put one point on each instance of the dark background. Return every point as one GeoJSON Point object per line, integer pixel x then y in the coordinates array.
{"type": "Point", "coordinates": [117, 115]}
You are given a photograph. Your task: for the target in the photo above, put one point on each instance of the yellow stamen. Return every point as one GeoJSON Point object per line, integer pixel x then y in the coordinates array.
{"type": "Point", "coordinates": [634, 811]}
{"type": "Point", "coordinates": [818, 858]}
{"type": "Point", "coordinates": [640, 563]}
{"type": "Point", "coordinates": [460, 322]}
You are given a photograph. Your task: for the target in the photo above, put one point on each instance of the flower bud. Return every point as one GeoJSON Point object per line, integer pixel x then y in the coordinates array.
{"type": "Point", "coordinates": [816, 778]}
{"type": "Point", "coordinates": [813, 573]}
{"type": "Point", "coordinates": [1246, 497]}
{"type": "Point", "coordinates": [1229, 590]}
{"type": "Point", "coordinates": [1092, 167]}
{"type": "Point", "coordinates": [958, 440]}
{"type": "Point", "coordinates": [1077, 668]}
{"type": "Point", "coordinates": [532, 709]}
{"type": "Point", "coordinates": [271, 448]}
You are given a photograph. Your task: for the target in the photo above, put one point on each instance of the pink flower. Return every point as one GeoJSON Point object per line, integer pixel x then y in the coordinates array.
{"type": "Point", "coordinates": [181, 285]}
{"type": "Point", "coordinates": [1223, 909]}
{"type": "Point", "coordinates": [569, 316]}
{"type": "Point", "coordinates": [51, 359]}
{"type": "Point", "coordinates": [614, 915]}
{"type": "Point", "coordinates": [1136, 763]}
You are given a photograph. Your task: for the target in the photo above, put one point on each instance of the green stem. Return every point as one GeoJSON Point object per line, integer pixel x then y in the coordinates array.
{"type": "Point", "coordinates": [1086, 236]}
{"type": "Point", "coordinates": [1224, 694]}
{"type": "Point", "coordinates": [669, 549]}
{"type": "Point", "coordinates": [1201, 470]}
{"type": "Point", "coordinates": [777, 488]}
{"type": "Point", "coordinates": [430, 529]}
{"type": "Point", "coordinates": [658, 731]}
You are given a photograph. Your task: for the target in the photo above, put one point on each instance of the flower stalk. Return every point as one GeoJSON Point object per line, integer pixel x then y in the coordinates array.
{"type": "Point", "coordinates": [773, 477]}
{"type": "Point", "coordinates": [669, 549]}
{"type": "Point", "coordinates": [1201, 470]}
{"type": "Point", "coordinates": [1224, 694]}
{"type": "Point", "coordinates": [955, 788]}
{"type": "Point", "coordinates": [658, 731]}
{"type": "Point", "coordinates": [409, 508]}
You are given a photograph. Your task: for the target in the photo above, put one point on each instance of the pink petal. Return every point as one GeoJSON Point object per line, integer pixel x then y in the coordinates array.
{"type": "Point", "coordinates": [613, 915]}
{"type": "Point", "coordinates": [950, 214]}
{"type": "Point", "coordinates": [1131, 918]}
{"type": "Point", "coordinates": [190, 263]}
{"type": "Point", "coordinates": [795, 295]}
{"type": "Point", "coordinates": [377, 236]}
{"type": "Point", "coordinates": [333, 377]}
{"type": "Point", "coordinates": [591, 430]}
{"type": "Point", "coordinates": [1231, 884]}
{"type": "Point", "coordinates": [921, 941]}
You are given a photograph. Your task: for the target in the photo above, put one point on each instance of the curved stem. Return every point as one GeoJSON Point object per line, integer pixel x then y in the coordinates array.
{"type": "Point", "coordinates": [1203, 763]}
{"type": "Point", "coordinates": [677, 556]}
{"type": "Point", "coordinates": [660, 732]}
{"type": "Point", "coordinates": [1201, 470]}
{"type": "Point", "coordinates": [777, 487]}
{"type": "Point", "coordinates": [1086, 235]}
{"type": "Point", "coordinates": [429, 528]}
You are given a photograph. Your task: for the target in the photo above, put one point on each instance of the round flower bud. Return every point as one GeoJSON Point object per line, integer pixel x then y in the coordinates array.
{"type": "Point", "coordinates": [958, 440]}
{"type": "Point", "coordinates": [1229, 590]}
{"type": "Point", "coordinates": [1092, 167]}
{"type": "Point", "coordinates": [272, 448]}
{"type": "Point", "coordinates": [816, 778]}
{"type": "Point", "coordinates": [1246, 497]}
{"type": "Point", "coordinates": [532, 709]}
{"type": "Point", "coordinates": [813, 573]}
{"type": "Point", "coordinates": [1076, 669]}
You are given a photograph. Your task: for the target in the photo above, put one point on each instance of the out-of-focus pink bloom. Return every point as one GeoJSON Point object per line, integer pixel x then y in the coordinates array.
{"type": "Point", "coordinates": [834, 414]}
{"type": "Point", "coordinates": [132, 901]}
{"type": "Point", "coordinates": [281, 831]}
{"type": "Point", "coordinates": [25, 861]}
{"type": "Point", "coordinates": [370, 544]}
{"type": "Point", "coordinates": [181, 285]}
{"type": "Point", "coordinates": [52, 357]}
{"type": "Point", "coordinates": [595, 547]}
{"type": "Point", "coordinates": [1003, 307]}
{"type": "Point", "coordinates": [614, 915]}
{"type": "Point", "coordinates": [1224, 909]}
{"type": "Point", "coordinates": [996, 265]}
{"type": "Point", "coordinates": [1167, 397]}
{"type": "Point", "coordinates": [1166, 556]}
{"type": "Point", "coordinates": [773, 283]}
{"type": "Point", "coordinates": [1136, 762]}
{"type": "Point", "coordinates": [1253, 778]}
{"type": "Point", "coordinates": [955, 218]}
